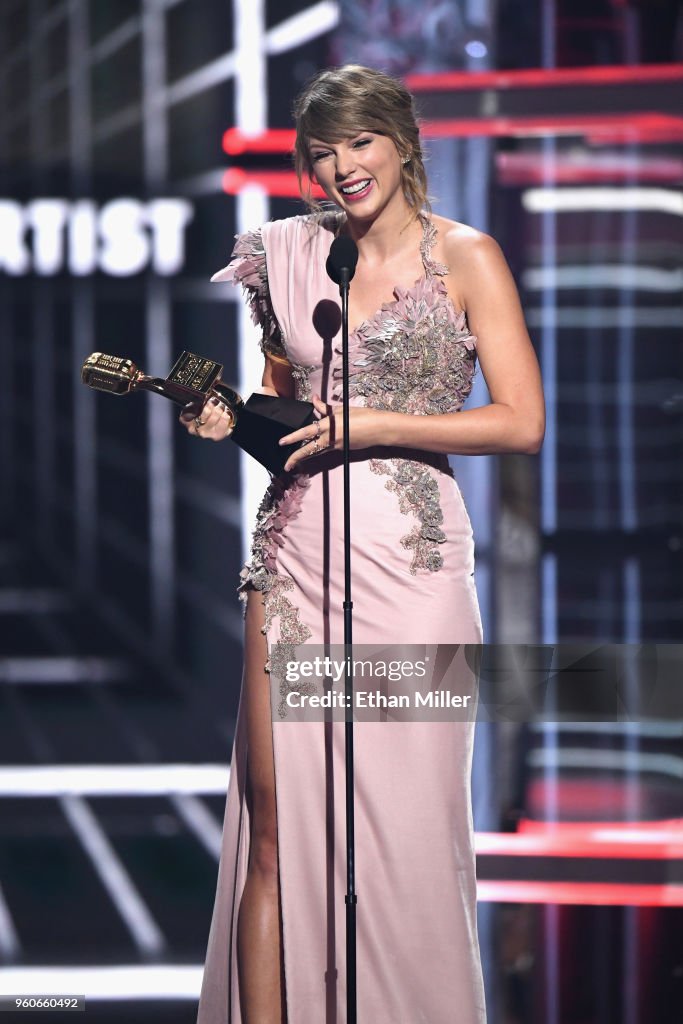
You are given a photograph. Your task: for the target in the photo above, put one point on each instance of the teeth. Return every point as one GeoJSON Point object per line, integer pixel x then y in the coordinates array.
{"type": "Point", "coordinates": [350, 189]}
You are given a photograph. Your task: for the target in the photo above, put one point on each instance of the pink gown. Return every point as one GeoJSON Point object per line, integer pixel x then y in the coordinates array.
{"type": "Point", "coordinates": [412, 561]}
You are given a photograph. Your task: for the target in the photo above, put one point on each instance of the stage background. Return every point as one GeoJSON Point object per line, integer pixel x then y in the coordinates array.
{"type": "Point", "coordinates": [556, 127]}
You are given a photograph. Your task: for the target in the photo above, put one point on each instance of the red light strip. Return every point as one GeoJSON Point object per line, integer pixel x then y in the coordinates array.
{"type": "Point", "coordinates": [598, 127]}
{"type": "Point", "coordinates": [654, 840]}
{"type": "Point", "coordinates": [274, 140]}
{"type": "Point", "coordinates": [589, 842]}
{"type": "Point", "coordinates": [589, 893]}
{"type": "Point", "coordinates": [673, 827]}
{"type": "Point", "coordinates": [276, 183]}
{"type": "Point", "coordinates": [542, 78]}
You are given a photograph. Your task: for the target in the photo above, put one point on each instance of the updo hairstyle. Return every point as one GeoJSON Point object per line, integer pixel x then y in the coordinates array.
{"type": "Point", "coordinates": [340, 103]}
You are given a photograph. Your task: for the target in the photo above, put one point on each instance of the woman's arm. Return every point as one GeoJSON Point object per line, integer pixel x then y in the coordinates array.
{"type": "Point", "coordinates": [514, 420]}
{"type": "Point", "coordinates": [277, 378]}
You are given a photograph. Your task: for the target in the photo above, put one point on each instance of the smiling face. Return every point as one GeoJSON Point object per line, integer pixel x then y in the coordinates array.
{"type": "Point", "coordinates": [361, 174]}
{"type": "Point", "coordinates": [330, 147]}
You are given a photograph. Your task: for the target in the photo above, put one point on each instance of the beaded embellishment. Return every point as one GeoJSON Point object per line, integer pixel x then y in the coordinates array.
{"type": "Point", "coordinates": [416, 354]}
{"type": "Point", "coordinates": [280, 503]}
{"type": "Point", "coordinates": [418, 494]}
{"type": "Point", "coordinates": [302, 381]}
{"type": "Point", "coordinates": [282, 654]}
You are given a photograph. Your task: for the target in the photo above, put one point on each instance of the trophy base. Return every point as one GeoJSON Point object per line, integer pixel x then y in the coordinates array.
{"type": "Point", "coordinates": [262, 421]}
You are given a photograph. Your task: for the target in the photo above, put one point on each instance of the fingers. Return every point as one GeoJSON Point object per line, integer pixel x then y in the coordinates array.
{"type": "Point", "coordinates": [311, 432]}
{"type": "Point", "coordinates": [326, 413]}
{"type": "Point", "coordinates": [214, 422]}
{"type": "Point", "coordinates": [312, 440]}
{"type": "Point", "coordinates": [189, 412]}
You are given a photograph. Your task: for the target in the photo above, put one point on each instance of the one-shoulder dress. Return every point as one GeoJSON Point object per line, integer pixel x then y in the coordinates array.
{"type": "Point", "coordinates": [412, 557]}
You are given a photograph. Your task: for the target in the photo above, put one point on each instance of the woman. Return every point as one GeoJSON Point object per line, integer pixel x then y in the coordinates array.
{"type": "Point", "coordinates": [429, 296]}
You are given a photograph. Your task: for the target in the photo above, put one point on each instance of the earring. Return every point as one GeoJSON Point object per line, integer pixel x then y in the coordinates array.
{"type": "Point", "coordinates": [405, 160]}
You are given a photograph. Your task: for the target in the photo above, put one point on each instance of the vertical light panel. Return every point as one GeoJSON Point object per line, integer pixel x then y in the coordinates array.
{"type": "Point", "coordinates": [551, 1014]}
{"type": "Point", "coordinates": [7, 353]}
{"type": "Point", "coordinates": [632, 606]}
{"type": "Point", "coordinates": [84, 423]}
{"type": "Point", "coordinates": [549, 356]}
{"type": "Point", "coordinates": [7, 404]}
{"type": "Point", "coordinates": [251, 98]}
{"type": "Point", "coordinates": [252, 209]}
{"type": "Point", "coordinates": [160, 419]}
{"type": "Point", "coordinates": [42, 377]}
{"type": "Point", "coordinates": [626, 366]}
{"type": "Point", "coordinates": [549, 349]}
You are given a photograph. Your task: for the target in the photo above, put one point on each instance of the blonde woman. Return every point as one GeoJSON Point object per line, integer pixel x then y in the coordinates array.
{"type": "Point", "coordinates": [429, 299]}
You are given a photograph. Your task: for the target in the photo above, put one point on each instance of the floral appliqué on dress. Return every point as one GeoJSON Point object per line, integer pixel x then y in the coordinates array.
{"type": "Point", "coordinates": [282, 499]}
{"type": "Point", "coordinates": [418, 493]}
{"type": "Point", "coordinates": [418, 356]}
{"type": "Point", "coordinates": [279, 505]}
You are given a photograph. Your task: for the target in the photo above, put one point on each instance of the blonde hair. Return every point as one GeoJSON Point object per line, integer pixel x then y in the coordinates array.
{"type": "Point", "coordinates": [342, 102]}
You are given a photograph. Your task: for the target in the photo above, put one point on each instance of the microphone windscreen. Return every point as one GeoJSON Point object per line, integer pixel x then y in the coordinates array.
{"type": "Point", "coordinates": [343, 256]}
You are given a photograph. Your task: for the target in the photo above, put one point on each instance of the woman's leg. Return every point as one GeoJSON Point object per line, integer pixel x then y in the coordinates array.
{"type": "Point", "coordinates": [259, 941]}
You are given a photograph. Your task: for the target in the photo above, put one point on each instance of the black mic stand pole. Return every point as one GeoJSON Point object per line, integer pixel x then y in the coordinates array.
{"type": "Point", "coordinates": [351, 898]}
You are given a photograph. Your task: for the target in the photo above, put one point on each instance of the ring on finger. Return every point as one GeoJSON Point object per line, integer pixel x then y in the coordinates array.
{"type": "Point", "coordinates": [199, 422]}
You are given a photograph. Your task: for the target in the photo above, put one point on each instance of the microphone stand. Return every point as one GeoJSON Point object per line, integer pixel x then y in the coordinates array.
{"type": "Point", "coordinates": [351, 899]}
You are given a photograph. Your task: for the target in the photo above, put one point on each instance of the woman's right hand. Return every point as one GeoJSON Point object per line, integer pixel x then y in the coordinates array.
{"type": "Point", "coordinates": [213, 422]}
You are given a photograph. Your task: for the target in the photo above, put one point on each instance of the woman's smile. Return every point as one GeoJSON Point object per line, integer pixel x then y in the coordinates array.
{"type": "Point", "coordinates": [356, 190]}
{"type": "Point", "coordinates": [356, 169]}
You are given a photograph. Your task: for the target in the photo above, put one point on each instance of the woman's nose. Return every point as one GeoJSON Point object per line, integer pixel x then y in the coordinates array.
{"type": "Point", "coordinates": [345, 165]}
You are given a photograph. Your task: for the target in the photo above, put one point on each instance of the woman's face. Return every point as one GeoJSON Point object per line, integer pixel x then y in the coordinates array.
{"type": "Point", "coordinates": [361, 174]}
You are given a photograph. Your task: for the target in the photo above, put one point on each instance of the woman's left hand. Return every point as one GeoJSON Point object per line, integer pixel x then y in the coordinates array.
{"type": "Point", "coordinates": [326, 432]}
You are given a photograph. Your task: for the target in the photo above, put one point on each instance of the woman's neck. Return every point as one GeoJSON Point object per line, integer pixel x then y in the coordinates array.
{"type": "Point", "coordinates": [379, 239]}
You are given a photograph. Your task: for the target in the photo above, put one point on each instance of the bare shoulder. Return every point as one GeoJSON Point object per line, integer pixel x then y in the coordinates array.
{"type": "Point", "coordinates": [461, 245]}
{"type": "Point", "coordinates": [474, 259]}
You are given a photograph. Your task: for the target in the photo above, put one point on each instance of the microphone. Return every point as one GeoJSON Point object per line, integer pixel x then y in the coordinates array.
{"type": "Point", "coordinates": [341, 263]}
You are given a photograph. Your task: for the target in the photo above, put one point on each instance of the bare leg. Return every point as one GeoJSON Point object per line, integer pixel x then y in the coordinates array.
{"type": "Point", "coordinates": [259, 941]}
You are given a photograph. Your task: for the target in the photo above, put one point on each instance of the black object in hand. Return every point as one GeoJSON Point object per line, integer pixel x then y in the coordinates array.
{"type": "Point", "coordinates": [258, 424]}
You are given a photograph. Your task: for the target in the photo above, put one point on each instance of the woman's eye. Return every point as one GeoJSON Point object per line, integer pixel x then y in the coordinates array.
{"type": "Point", "coordinates": [361, 142]}
{"type": "Point", "coordinates": [317, 156]}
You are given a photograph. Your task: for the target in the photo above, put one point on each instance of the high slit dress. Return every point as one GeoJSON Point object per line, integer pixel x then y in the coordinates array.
{"type": "Point", "coordinates": [412, 557]}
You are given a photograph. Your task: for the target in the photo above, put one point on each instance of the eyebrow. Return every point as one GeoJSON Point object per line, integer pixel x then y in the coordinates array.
{"type": "Point", "coordinates": [326, 145]}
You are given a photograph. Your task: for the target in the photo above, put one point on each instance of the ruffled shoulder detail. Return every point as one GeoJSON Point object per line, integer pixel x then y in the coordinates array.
{"type": "Point", "coordinates": [429, 233]}
{"type": "Point", "coordinates": [248, 268]}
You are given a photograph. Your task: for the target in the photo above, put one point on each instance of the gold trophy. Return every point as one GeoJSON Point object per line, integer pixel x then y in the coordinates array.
{"type": "Point", "coordinates": [257, 424]}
